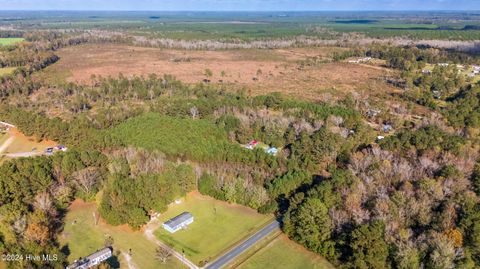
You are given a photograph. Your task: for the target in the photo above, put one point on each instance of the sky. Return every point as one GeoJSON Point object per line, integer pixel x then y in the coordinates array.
{"type": "Point", "coordinates": [240, 5]}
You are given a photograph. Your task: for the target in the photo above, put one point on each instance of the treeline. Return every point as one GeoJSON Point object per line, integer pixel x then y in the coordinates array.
{"type": "Point", "coordinates": [79, 133]}
{"type": "Point", "coordinates": [386, 211]}
{"type": "Point", "coordinates": [142, 183]}
{"type": "Point", "coordinates": [31, 215]}
{"type": "Point", "coordinates": [407, 57]}
{"type": "Point", "coordinates": [463, 108]}
{"type": "Point", "coordinates": [27, 56]}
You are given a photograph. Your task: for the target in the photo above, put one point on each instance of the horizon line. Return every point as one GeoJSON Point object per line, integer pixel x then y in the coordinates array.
{"type": "Point", "coordinates": [253, 11]}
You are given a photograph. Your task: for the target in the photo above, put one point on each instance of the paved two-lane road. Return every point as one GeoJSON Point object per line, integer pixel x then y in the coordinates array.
{"type": "Point", "coordinates": [239, 249]}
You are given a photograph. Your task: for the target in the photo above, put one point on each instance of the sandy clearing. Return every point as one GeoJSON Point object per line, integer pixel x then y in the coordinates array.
{"type": "Point", "coordinates": [6, 144]}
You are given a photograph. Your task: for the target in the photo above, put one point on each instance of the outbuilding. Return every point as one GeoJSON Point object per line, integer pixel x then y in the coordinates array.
{"type": "Point", "coordinates": [179, 222]}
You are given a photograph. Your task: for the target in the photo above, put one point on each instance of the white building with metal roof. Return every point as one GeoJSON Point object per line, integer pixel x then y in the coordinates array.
{"type": "Point", "coordinates": [92, 259]}
{"type": "Point", "coordinates": [179, 222]}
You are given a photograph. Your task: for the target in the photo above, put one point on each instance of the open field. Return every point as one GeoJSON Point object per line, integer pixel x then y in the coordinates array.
{"type": "Point", "coordinates": [6, 71]}
{"type": "Point", "coordinates": [15, 142]}
{"type": "Point", "coordinates": [10, 41]}
{"type": "Point", "coordinates": [282, 253]}
{"type": "Point", "coordinates": [258, 71]}
{"type": "Point", "coordinates": [84, 237]}
{"type": "Point", "coordinates": [217, 226]}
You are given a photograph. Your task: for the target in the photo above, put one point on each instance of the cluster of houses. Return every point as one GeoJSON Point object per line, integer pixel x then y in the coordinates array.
{"type": "Point", "coordinates": [92, 260]}
{"type": "Point", "coordinates": [269, 150]}
{"type": "Point", "coordinates": [475, 71]}
{"type": "Point", "coordinates": [460, 67]}
{"type": "Point", "coordinates": [361, 60]}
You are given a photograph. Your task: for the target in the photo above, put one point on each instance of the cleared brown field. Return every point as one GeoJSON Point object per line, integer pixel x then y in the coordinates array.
{"type": "Point", "coordinates": [258, 71]}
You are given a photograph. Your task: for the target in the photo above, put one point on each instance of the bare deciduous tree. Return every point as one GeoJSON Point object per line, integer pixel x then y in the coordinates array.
{"type": "Point", "coordinates": [194, 112]}
{"type": "Point", "coordinates": [163, 254]}
{"type": "Point", "coordinates": [86, 179]}
{"type": "Point", "coordinates": [43, 202]}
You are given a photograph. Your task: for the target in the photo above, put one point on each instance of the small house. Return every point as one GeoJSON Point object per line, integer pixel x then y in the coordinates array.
{"type": "Point", "coordinates": [387, 128]}
{"type": "Point", "coordinates": [272, 151]}
{"type": "Point", "coordinates": [373, 112]}
{"type": "Point", "coordinates": [252, 144]}
{"type": "Point", "coordinates": [92, 260]}
{"type": "Point", "coordinates": [426, 72]}
{"type": "Point", "coordinates": [179, 222]}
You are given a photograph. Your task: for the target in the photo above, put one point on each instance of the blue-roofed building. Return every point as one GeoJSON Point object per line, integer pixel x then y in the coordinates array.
{"type": "Point", "coordinates": [179, 222]}
{"type": "Point", "coordinates": [272, 151]}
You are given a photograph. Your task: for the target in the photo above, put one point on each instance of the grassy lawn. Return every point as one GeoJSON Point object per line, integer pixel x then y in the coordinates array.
{"type": "Point", "coordinates": [83, 237]}
{"type": "Point", "coordinates": [216, 227]}
{"type": "Point", "coordinates": [282, 253]}
{"type": "Point", "coordinates": [6, 70]}
{"type": "Point", "coordinates": [10, 40]}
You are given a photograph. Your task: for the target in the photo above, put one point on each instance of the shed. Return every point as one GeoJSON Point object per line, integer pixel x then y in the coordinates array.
{"type": "Point", "coordinates": [179, 222]}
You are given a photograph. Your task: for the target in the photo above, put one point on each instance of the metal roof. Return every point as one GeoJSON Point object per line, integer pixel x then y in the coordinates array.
{"type": "Point", "coordinates": [178, 220]}
{"type": "Point", "coordinates": [87, 262]}
{"type": "Point", "coordinates": [105, 251]}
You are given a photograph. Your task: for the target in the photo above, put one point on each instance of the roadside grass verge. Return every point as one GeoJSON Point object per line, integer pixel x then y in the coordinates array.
{"type": "Point", "coordinates": [282, 253]}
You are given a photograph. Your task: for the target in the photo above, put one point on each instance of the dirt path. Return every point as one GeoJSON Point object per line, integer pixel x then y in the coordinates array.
{"type": "Point", "coordinates": [153, 225]}
{"type": "Point", "coordinates": [6, 144]}
{"type": "Point", "coordinates": [128, 259]}
{"type": "Point", "coordinates": [23, 154]}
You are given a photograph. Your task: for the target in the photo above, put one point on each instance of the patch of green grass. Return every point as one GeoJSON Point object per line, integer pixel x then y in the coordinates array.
{"type": "Point", "coordinates": [283, 253]}
{"type": "Point", "coordinates": [194, 139]}
{"type": "Point", "coordinates": [81, 235]}
{"type": "Point", "coordinates": [84, 237]}
{"type": "Point", "coordinates": [216, 227]}
{"type": "Point", "coordinates": [10, 40]}
{"type": "Point", "coordinates": [7, 71]}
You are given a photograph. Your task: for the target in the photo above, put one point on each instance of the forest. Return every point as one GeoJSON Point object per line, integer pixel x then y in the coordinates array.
{"type": "Point", "coordinates": [406, 200]}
